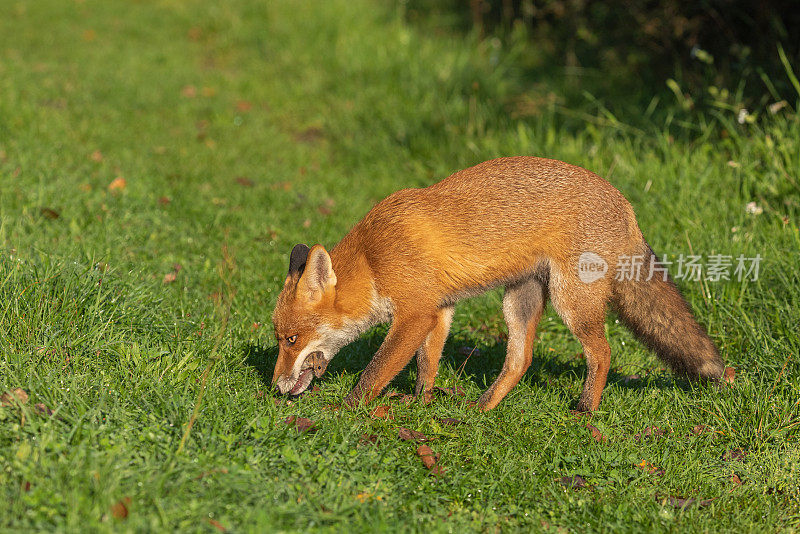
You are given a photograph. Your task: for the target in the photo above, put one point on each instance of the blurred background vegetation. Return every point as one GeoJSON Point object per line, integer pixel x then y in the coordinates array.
{"type": "Point", "coordinates": [712, 56]}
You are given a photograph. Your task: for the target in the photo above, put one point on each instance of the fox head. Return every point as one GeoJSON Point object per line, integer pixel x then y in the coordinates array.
{"type": "Point", "coordinates": [307, 327]}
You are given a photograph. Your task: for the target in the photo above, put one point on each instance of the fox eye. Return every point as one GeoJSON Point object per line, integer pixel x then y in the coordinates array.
{"type": "Point", "coordinates": [291, 339]}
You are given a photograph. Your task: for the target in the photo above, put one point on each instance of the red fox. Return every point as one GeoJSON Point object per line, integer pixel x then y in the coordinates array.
{"type": "Point", "coordinates": [521, 222]}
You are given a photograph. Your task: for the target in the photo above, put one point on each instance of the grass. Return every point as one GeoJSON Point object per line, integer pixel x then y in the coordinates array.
{"type": "Point", "coordinates": [248, 127]}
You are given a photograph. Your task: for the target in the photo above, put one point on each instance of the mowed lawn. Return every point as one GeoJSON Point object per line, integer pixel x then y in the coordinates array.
{"type": "Point", "coordinates": [159, 159]}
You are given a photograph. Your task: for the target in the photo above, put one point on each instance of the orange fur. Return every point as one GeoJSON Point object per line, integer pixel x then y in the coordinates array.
{"type": "Point", "coordinates": [519, 222]}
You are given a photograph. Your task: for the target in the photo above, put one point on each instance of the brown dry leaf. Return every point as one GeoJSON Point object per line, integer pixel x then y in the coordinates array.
{"type": "Point", "coordinates": [283, 186]}
{"type": "Point", "coordinates": [301, 424]}
{"type": "Point", "coordinates": [309, 135]}
{"type": "Point", "coordinates": [216, 524]}
{"type": "Point", "coordinates": [730, 374]}
{"type": "Point", "coordinates": [170, 277]}
{"type": "Point", "coordinates": [574, 482]}
{"type": "Point", "coordinates": [326, 208]}
{"type": "Point", "coordinates": [381, 412]}
{"type": "Point", "coordinates": [164, 200]}
{"type": "Point", "coordinates": [429, 459]}
{"type": "Point", "coordinates": [243, 106]}
{"type": "Point", "coordinates": [244, 181]}
{"type": "Point", "coordinates": [43, 409]}
{"type": "Point", "coordinates": [734, 455]}
{"type": "Point", "coordinates": [368, 439]}
{"type": "Point", "coordinates": [596, 434]}
{"type": "Point", "coordinates": [644, 465]}
{"type": "Point", "coordinates": [16, 395]}
{"type": "Point", "coordinates": [49, 213]}
{"type": "Point", "coordinates": [118, 184]}
{"type": "Point", "coordinates": [194, 33]}
{"type": "Point", "coordinates": [189, 91]}
{"type": "Point", "coordinates": [449, 421]}
{"type": "Point", "coordinates": [735, 480]}
{"type": "Point", "coordinates": [700, 429]}
{"type": "Point", "coordinates": [650, 431]}
{"type": "Point", "coordinates": [407, 434]}
{"type": "Point", "coordinates": [437, 470]}
{"type": "Point", "coordinates": [680, 502]}
{"type": "Point", "coordinates": [120, 509]}
{"type": "Point", "coordinates": [96, 156]}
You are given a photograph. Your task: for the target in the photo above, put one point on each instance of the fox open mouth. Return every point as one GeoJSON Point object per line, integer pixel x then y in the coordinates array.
{"type": "Point", "coordinates": [314, 366]}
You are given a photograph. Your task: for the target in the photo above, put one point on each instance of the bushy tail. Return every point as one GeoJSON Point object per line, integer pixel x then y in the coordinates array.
{"type": "Point", "coordinates": [656, 312]}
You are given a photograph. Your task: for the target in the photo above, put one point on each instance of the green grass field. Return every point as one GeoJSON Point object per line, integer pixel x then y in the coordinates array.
{"type": "Point", "coordinates": [159, 159]}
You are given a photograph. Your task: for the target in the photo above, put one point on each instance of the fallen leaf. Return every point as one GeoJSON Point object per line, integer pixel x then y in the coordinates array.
{"type": "Point", "coordinates": [42, 408]}
{"type": "Point", "coordinates": [194, 33]}
{"type": "Point", "coordinates": [368, 439]}
{"type": "Point", "coordinates": [243, 106]}
{"type": "Point", "coordinates": [381, 412]}
{"type": "Point", "coordinates": [596, 434]}
{"type": "Point", "coordinates": [164, 200]}
{"type": "Point", "coordinates": [216, 524]}
{"type": "Point", "coordinates": [650, 468]}
{"type": "Point", "coordinates": [96, 156]}
{"type": "Point", "coordinates": [26, 486]}
{"type": "Point", "coordinates": [244, 181]}
{"type": "Point", "coordinates": [120, 509]}
{"type": "Point", "coordinates": [49, 213]}
{"type": "Point", "coordinates": [734, 455]}
{"type": "Point", "coordinates": [118, 184]}
{"type": "Point", "coordinates": [437, 470]}
{"type": "Point", "coordinates": [18, 395]}
{"type": "Point", "coordinates": [574, 482]}
{"type": "Point", "coordinates": [429, 459]}
{"type": "Point", "coordinates": [284, 186]}
{"type": "Point", "coordinates": [730, 374]}
{"type": "Point", "coordinates": [735, 480]}
{"type": "Point", "coordinates": [309, 135]}
{"type": "Point", "coordinates": [189, 91]}
{"type": "Point", "coordinates": [700, 429]}
{"type": "Point", "coordinates": [170, 277]}
{"type": "Point", "coordinates": [450, 421]}
{"type": "Point", "coordinates": [650, 431]}
{"type": "Point", "coordinates": [407, 434]}
{"type": "Point", "coordinates": [301, 424]}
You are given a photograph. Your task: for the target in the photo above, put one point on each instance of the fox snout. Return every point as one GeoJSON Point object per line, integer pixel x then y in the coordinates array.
{"type": "Point", "coordinates": [284, 378]}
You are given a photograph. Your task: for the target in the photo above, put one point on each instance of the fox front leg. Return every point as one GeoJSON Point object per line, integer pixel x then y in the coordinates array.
{"type": "Point", "coordinates": [405, 335]}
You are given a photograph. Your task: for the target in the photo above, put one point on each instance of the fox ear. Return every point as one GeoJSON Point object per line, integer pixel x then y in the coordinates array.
{"type": "Point", "coordinates": [297, 259]}
{"type": "Point", "coordinates": [318, 276]}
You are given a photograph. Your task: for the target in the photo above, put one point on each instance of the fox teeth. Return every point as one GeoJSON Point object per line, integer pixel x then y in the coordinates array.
{"type": "Point", "coordinates": [306, 375]}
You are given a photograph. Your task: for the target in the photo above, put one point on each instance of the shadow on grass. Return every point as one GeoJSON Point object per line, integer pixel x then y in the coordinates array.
{"type": "Point", "coordinates": [481, 367]}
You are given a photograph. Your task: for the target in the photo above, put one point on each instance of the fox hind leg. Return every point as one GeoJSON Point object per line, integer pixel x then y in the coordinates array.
{"type": "Point", "coordinates": [430, 352]}
{"type": "Point", "coordinates": [582, 307]}
{"type": "Point", "coordinates": [523, 304]}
